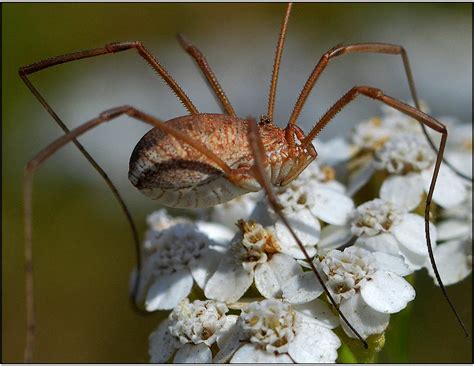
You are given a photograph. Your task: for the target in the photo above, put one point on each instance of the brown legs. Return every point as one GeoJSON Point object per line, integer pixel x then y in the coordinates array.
{"type": "Point", "coordinates": [110, 48]}
{"type": "Point", "coordinates": [258, 151]}
{"type": "Point", "coordinates": [211, 78]}
{"type": "Point", "coordinates": [113, 48]}
{"type": "Point", "coordinates": [30, 69]}
{"type": "Point", "coordinates": [276, 64]}
{"type": "Point", "coordinates": [36, 162]}
{"type": "Point", "coordinates": [422, 118]}
{"type": "Point", "coordinates": [197, 55]}
{"type": "Point", "coordinates": [383, 48]}
{"type": "Point", "coordinates": [340, 50]}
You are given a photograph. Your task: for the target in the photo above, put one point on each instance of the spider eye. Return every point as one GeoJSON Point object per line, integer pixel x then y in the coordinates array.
{"type": "Point", "coordinates": [265, 119]}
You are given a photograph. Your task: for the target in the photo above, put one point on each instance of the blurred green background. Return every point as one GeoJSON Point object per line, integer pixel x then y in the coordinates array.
{"type": "Point", "coordinates": [82, 246]}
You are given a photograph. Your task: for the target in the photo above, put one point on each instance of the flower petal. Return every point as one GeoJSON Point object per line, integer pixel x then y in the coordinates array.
{"type": "Point", "coordinates": [333, 151]}
{"type": "Point", "coordinates": [203, 267]}
{"type": "Point", "coordinates": [302, 288]}
{"type": "Point", "coordinates": [410, 232]}
{"type": "Point", "coordinates": [450, 190]}
{"type": "Point", "coordinates": [404, 191]}
{"type": "Point", "coordinates": [385, 243]}
{"type": "Point", "coordinates": [462, 161]}
{"type": "Point", "coordinates": [193, 353]}
{"type": "Point", "coordinates": [284, 267]}
{"type": "Point", "coordinates": [249, 353]}
{"type": "Point", "coordinates": [219, 234]}
{"type": "Point", "coordinates": [229, 282]}
{"type": "Point", "coordinates": [360, 178]}
{"type": "Point", "coordinates": [454, 261]}
{"type": "Point", "coordinates": [228, 339]}
{"type": "Point", "coordinates": [363, 318]}
{"type": "Point", "coordinates": [162, 344]}
{"type": "Point", "coordinates": [239, 208]}
{"type": "Point", "coordinates": [227, 331]}
{"type": "Point", "coordinates": [306, 227]}
{"type": "Point", "coordinates": [333, 236]}
{"type": "Point", "coordinates": [266, 281]}
{"type": "Point", "coordinates": [450, 229]}
{"type": "Point", "coordinates": [313, 343]}
{"type": "Point", "coordinates": [271, 275]}
{"type": "Point", "coordinates": [413, 261]}
{"type": "Point", "coordinates": [387, 292]}
{"type": "Point", "coordinates": [168, 290]}
{"type": "Point", "coordinates": [392, 263]}
{"type": "Point", "coordinates": [330, 206]}
{"type": "Point", "coordinates": [335, 185]}
{"type": "Point", "coordinates": [319, 311]}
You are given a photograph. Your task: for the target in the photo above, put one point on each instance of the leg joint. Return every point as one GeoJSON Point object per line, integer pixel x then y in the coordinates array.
{"type": "Point", "coordinates": [117, 111]}
{"type": "Point", "coordinates": [122, 46]}
{"type": "Point", "coordinates": [370, 91]}
{"type": "Point", "coordinates": [337, 50]}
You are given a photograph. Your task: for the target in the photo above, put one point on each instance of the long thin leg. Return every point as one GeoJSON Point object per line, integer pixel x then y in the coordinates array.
{"type": "Point", "coordinates": [107, 180]}
{"type": "Point", "coordinates": [276, 64]}
{"type": "Point", "coordinates": [258, 151]}
{"type": "Point", "coordinates": [339, 50]}
{"type": "Point", "coordinates": [201, 61]}
{"type": "Point", "coordinates": [384, 48]}
{"type": "Point", "coordinates": [36, 162]}
{"type": "Point", "coordinates": [113, 48]}
{"type": "Point", "coordinates": [422, 118]}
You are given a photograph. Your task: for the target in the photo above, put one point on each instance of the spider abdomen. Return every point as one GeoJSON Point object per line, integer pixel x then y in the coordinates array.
{"type": "Point", "coordinates": [177, 175]}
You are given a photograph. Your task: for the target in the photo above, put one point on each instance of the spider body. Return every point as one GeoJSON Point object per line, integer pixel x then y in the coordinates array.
{"type": "Point", "coordinates": [177, 175]}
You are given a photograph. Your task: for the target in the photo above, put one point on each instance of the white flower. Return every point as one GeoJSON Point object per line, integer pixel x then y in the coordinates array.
{"type": "Point", "coordinates": [371, 135]}
{"type": "Point", "coordinates": [190, 329]}
{"type": "Point", "coordinates": [410, 160]}
{"type": "Point", "coordinates": [366, 286]}
{"type": "Point", "coordinates": [239, 208]}
{"type": "Point", "coordinates": [161, 220]}
{"type": "Point", "coordinates": [274, 331]}
{"type": "Point", "coordinates": [317, 190]}
{"type": "Point", "coordinates": [315, 195]}
{"type": "Point", "coordinates": [334, 151]}
{"type": "Point", "coordinates": [454, 256]}
{"type": "Point", "coordinates": [384, 227]}
{"type": "Point", "coordinates": [177, 253]}
{"type": "Point", "coordinates": [459, 145]}
{"type": "Point", "coordinates": [255, 254]}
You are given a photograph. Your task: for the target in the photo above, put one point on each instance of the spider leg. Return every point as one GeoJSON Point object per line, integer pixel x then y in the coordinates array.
{"type": "Point", "coordinates": [423, 118]}
{"type": "Point", "coordinates": [114, 48]}
{"type": "Point", "coordinates": [43, 155]}
{"type": "Point", "coordinates": [110, 48]}
{"type": "Point", "coordinates": [383, 48]}
{"type": "Point", "coordinates": [104, 176]}
{"type": "Point", "coordinates": [276, 63]}
{"type": "Point", "coordinates": [258, 151]}
{"type": "Point", "coordinates": [201, 61]}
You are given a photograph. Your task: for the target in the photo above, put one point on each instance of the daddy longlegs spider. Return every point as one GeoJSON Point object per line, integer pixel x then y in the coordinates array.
{"type": "Point", "coordinates": [200, 160]}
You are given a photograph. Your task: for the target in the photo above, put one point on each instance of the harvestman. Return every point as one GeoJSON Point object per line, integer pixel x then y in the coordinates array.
{"type": "Point", "coordinates": [201, 160]}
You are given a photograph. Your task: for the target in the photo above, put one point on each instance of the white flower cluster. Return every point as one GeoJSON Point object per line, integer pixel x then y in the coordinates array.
{"type": "Point", "coordinates": [241, 290]}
